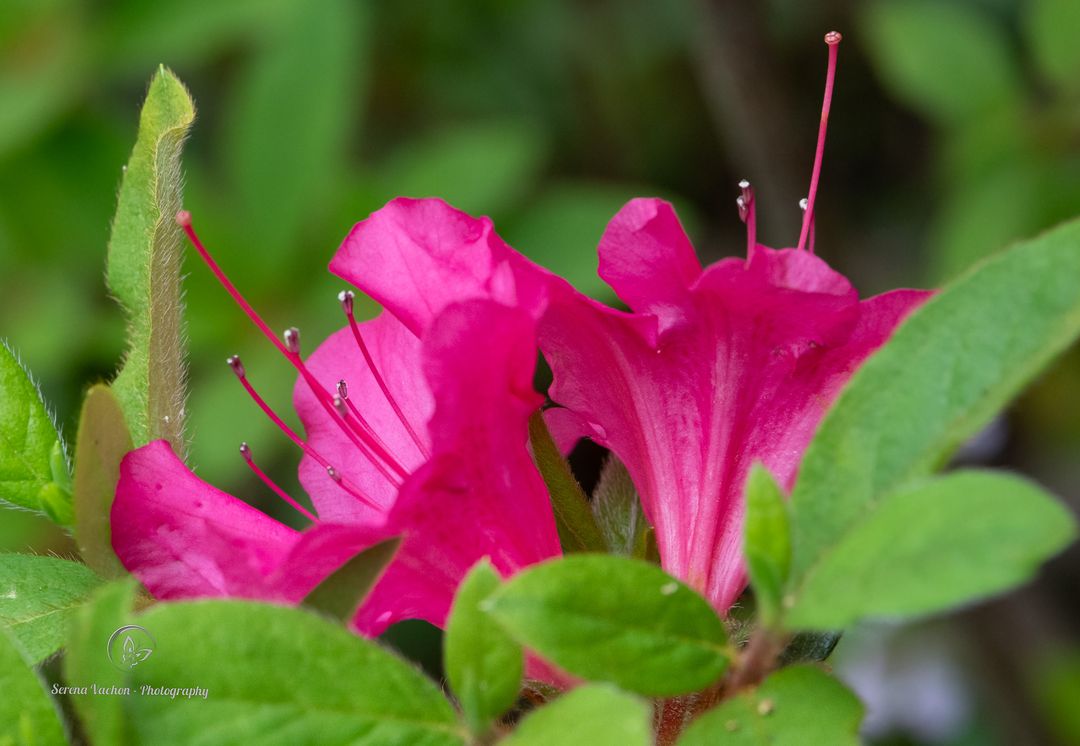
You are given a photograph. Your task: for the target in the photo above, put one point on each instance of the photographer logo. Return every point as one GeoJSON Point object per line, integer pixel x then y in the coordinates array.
{"type": "Point", "coordinates": [129, 646]}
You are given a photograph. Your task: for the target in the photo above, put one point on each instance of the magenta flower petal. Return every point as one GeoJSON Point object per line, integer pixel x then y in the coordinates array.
{"type": "Point", "coordinates": [647, 259]}
{"type": "Point", "coordinates": [396, 352]}
{"type": "Point", "coordinates": [480, 493]}
{"type": "Point", "coordinates": [183, 538]}
{"type": "Point", "coordinates": [416, 256]}
{"type": "Point", "coordinates": [748, 358]}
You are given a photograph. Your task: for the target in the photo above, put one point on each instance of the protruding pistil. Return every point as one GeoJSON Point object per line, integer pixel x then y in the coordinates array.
{"type": "Point", "coordinates": [832, 39]}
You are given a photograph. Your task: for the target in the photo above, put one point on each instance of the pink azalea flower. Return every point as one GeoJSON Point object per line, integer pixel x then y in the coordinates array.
{"type": "Point", "coordinates": [416, 421]}
{"type": "Point", "coordinates": [417, 425]}
{"type": "Point", "coordinates": [714, 368]}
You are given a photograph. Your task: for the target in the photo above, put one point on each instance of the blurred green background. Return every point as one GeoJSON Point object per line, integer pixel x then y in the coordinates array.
{"type": "Point", "coordinates": [955, 129]}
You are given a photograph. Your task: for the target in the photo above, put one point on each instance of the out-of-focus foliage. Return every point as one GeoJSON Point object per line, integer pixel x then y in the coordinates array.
{"type": "Point", "coordinates": [1007, 110]}
{"type": "Point", "coordinates": [956, 129]}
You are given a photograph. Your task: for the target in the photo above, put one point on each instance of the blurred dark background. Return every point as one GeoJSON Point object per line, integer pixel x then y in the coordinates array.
{"type": "Point", "coordinates": [955, 130]}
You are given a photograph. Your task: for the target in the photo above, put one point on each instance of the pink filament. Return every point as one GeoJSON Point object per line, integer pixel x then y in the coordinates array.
{"type": "Point", "coordinates": [374, 446]}
{"type": "Point", "coordinates": [382, 384]}
{"type": "Point", "coordinates": [246, 452]}
{"type": "Point", "coordinates": [833, 40]}
{"type": "Point", "coordinates": [300, 442]}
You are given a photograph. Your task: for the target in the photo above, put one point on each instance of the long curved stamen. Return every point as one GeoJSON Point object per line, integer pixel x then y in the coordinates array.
{"type": "Point", "coordinates": [748, 214]}
{"type": "Point", "coordinates": [345, 297]}
{"type": "Point", "coordinates": [241, 374]}
{"type": "Point", "coordinates": [183, 219]}
{"type": "Point", "coordinates": [833, 40]}
{"type": "Point", "coordinates": [245, 451]}
{"type": "Point", "coordinates": [357, 429]}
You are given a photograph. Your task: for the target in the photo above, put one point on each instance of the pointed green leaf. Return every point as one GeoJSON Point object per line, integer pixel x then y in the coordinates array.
{"type": "Point", "coordinates": [615, 619]}
{"type": "Point", "coordinates": [574, 519]}
{"type": "Point", "coordinates": [767, 543]}
{"type": "Point", "coordinates": [342, 592]}
{"type": "Point", "coordinates": [941, 377]}
{"type": "Point", "coordinates": [592, 715]}
{"type": "Point", "coordinates": [278, 675]}
{"type": "Point", "coordinates": [795, 706]}
{"type": "Point", "coordinates": [38, 596]}
{"type": "Point", "coordinates": [34, 471]}
{"type": "Point", "coordinates": [27, 715]}
{"type": "Point", "coordinates": [102, 442]}
{"type": "Point", "coordinates": [617, 508]}
{"type": "Point", "coordinates": [484, 665]}
{"type": "Point", "coordinates": [145, 257]}
{"type": "Point", "coordinates": [934, 545]}
{"type": "Point", "coordinates": [86, 661]}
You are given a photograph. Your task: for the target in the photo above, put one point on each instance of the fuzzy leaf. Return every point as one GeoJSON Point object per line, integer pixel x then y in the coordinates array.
{"type": "Point", "coordinates": [484, 665]}
{"type": "Point", "coordinates": [344, 590]}
{"type": "Point", "coordinates": [102, 442]}
{"type": "Point", "coordinates": [592, 715]}
{"type": "Point", "coordinates": [617, 508]}
{"type": "Point", "coordinates": [614, 619]}
{"type": "Point", "coordinates": [33, 465]}
{"type": "Point", "coordinates": [38, 595]}
{"type": "Point", "coordinates": [574, 519]}
{"type": "Point", "coordinates": [145, 258]}
{"type": "Point", "coordinates": [767, 543]}
{"type": "Point", "coordinates": [949, 368]}
{"type": "Point", "coordinates": [934, 545]}
{"type": "Point", "coordinates": [795, 706]}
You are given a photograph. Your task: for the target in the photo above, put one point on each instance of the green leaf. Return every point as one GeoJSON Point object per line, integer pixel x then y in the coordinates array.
{"type": "Point", "coordinates": [482, 168]}
{"type": "Point", "coordinates": [809, 647]}
{"type": "Point", "coordinates": [617, 508]}
{"type": "Point", "coordinates": [102, 442]}
{"type": "Point", "coordinates": [793, 707]}
{"type": "Point", "coordinates": [293, 113]}
{"type": "Point", "coordinates": [948, 60]}
{"type": "Point", "coordinates": [86, 662]}
{"type": "Point", "coordinates": [34, 472]}
{"type": "Point", "coordinates": [941, 378]}
{"type": "Point", "coordinates": [145, 258]}
{"type": "Point", "coordinates": [483, 663]}
{"type": "Point", "coordinates": [277, 675]}
{"type": "Point", "coordinates": [767, 543]}
{"type": "Point", "coordinates": [934, 545]}
{"type": "Point", "coordinates": [592, 715]}
{"type": "Point", "coordinates": [574, 519]}
{"type": "Point", "coordinates": [1051, 30]}
{"type": "Point", "coordinates": [615, 619]}
{"type": "Point", "coordinates": [27, 715]}
{"type": "Point", "coordinates": [38, 595]}
{"type": "Point", "coordinates": [343, 590]}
